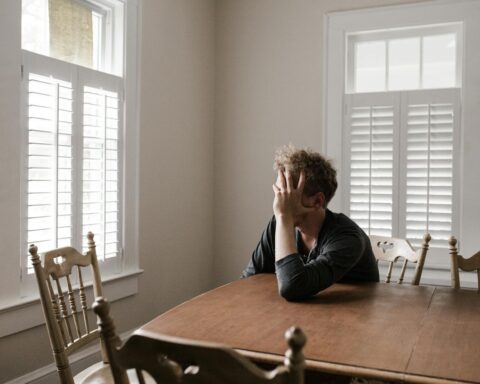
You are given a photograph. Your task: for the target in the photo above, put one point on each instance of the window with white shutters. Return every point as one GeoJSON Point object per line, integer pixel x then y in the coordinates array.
{"type": "Point", "coordinates": [401, 156]}
{"type": "Point", "coordinates": [74, 58]}
{"type": "Point", "coordinates": [401, 125]}
{"type": "Point", "coordinates": [421, 59]}
{"type": "Point", "coordinates": [73, 168]}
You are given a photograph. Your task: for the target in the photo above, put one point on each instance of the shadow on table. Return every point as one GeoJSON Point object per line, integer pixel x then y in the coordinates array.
{"type": "Point", "coordinates": [316, 377]}
{"type": "Point", "coordinates": [344, 293]}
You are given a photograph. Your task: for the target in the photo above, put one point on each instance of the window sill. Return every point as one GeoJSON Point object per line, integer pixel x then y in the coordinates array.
{"type": "Point", "coordinates": [27, 313]}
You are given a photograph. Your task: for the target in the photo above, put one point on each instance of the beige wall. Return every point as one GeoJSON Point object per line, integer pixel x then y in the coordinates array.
{"type": "Point", "coordinates": [269, 92]}
{"type": "Point", "coordinates": [176, 173]}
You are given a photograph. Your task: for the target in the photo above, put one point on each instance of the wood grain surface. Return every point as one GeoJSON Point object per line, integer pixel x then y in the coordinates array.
{"type": "Point", "coordinates": [382, 330]}
{"type": "Point", "coordinates": [449, 343]}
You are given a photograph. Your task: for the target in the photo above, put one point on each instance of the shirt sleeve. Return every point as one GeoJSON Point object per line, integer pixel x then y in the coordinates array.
{"type": "Point", "coordinates": [298, 280]}
{"type": "Point", "coordinates": [263, 257]}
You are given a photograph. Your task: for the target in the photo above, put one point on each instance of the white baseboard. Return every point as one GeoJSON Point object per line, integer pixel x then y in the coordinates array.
{"type": "Point", "coordinates": [78, 362]}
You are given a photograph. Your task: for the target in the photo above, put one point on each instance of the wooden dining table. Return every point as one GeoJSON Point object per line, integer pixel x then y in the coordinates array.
{"type": "Point", "coordinates": [414, 334]}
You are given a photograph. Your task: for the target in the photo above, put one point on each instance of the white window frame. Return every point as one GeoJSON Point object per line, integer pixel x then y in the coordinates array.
{"type": "Point", "coordinates": [18, 312]}
{"type": "Point", "coordinates": [113, 13]}
{"type": "Point", "coordinates": [338, 25]}
{"type": "Point", "coordinates": [402, 33]}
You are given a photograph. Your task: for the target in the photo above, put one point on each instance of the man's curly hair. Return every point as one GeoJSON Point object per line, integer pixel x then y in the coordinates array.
{"type": "Point", "coordinates": [320, 176]}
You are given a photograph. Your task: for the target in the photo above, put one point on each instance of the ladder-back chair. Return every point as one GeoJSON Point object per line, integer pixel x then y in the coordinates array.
{"type": "Point", "coordinates": [459, 262]}
{"type": "Point", "coordinates": [67, 323]}
{"type": "Point", "coordinates": [170, 360]}
{"type": "Point", "coordinates": [391, 250]}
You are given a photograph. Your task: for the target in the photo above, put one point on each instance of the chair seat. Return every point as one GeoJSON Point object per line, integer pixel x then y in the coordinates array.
{"type": "Point", "coordinates": [100, 373]}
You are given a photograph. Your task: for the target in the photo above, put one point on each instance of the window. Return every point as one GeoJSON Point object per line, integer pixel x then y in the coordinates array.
{"type": "Point", "coordinates": [401, 119]}
{"type": "Point", "coordinates": [424, 57]}
{"type": "Point", "coordinates": [400, 122]}
{"type": "Point", "coordinates": [19, 305]}
{"type": "Point", "coordinates": [72, 112]}
{"type": "Point", "coordinates": [400, 163]}
{"type": "Point", "coordinates": [83, 32]}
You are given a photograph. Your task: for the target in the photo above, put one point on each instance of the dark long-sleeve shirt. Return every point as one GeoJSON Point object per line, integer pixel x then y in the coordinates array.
{"type": "Point", "coordinates": [342, 253]}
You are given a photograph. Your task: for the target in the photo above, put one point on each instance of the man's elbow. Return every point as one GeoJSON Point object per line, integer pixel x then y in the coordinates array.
{"type": "Point", "coordinates": [291, 291]}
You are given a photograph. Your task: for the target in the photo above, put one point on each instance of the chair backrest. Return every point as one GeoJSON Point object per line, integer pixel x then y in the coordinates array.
{"type": "Point", "coordinates": [391, 250]}
{"type": "Point", "coordinates": [174, 360]}
{"type": "Point", "coordinates": [459, 262]}
{"type": "Point", "coordinates": [68, 326]}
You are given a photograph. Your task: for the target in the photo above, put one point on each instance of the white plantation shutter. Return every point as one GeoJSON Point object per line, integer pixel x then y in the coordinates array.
{"type": "Point", "coordinates": [73, 120]}
{"type": "Point", "coordinates": [100, 203]}
{"type": "Point", "coordinates": [372, 125]}
{"type": "Point", "coordinates": [401, 156]}
{"type": "Point", "coordinates": [48, 114]}
{"type": "Point", "coordinates": [431, 127]}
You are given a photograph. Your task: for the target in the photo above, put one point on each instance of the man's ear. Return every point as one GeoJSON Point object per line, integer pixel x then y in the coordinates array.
{"type": "Point", "coordinates": [319, 201]}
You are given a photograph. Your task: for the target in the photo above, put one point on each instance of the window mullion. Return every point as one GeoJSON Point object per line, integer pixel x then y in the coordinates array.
{"type": "Point", "coordinates": [56, 106]}
{"type": "Point", "coordinates": [78, 165]}
{"type": "Point", "coordinates": [399, 179]}
{"type": "Point", "coordinates": [370, 135]}
{"type": "Point", "coordinates": [420, 77]}
{"type": "Point", "coordinates": [429, 114]}
{"type": "Point", "coordinates": [387, 64]}
{"type": "Point", "coordinates": [104, 176]}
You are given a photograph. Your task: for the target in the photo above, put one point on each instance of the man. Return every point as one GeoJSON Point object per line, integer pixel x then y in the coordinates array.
{"type": "Point", "coordinates": [308, 246]}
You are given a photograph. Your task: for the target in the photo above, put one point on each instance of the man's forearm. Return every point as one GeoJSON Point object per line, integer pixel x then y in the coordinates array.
{"type": "Point", "coordinates": [285, 243]}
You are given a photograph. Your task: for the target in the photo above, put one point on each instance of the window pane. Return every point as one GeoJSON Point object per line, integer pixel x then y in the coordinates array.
{"type": "Point", "coordinates": [370, 66]}
{"type": "Point", "coordinates": [35, 34]}
{"type": "Point", "coordinates": [404, 64]}
{"type": "Point", "coordinates": [71, 33]}
{"type": "Point", "coordinates": [67, 30]}
{"type": "Point", "coordinates": [439, 55]}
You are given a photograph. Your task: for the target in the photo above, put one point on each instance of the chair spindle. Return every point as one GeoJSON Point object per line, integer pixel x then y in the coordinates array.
{"type": "Point", "coordinates": [83, 300]}
{"type": "Point", "coordinates": [73, 307]}
{"type": "Point", "coordinates": [389, 273]}
{"type": "Point", "coordinates": [402, 273]}
{"type": "Point", "coordinates": [63, 310]}
{"type": "Point", "coordinates": [56, 312]}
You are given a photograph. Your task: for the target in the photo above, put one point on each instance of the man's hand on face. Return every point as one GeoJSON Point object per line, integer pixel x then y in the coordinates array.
{"type": "Point", "coordinates": [287, 204]}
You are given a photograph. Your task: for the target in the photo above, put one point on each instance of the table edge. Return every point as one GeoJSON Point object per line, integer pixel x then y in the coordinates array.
{"type": "Point", "coordinates": [352, 370]}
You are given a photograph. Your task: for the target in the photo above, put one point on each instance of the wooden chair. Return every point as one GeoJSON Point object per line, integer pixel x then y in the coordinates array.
{"type": "Point", "coordinates": [459, 262]}
{"type": "Point", "coordinates": [391, 249]}
{"type": "Point", "coordinates": [68, 327]}
{"type": "Point", "coordinates": [171, 360]}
